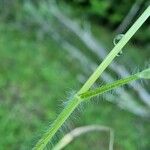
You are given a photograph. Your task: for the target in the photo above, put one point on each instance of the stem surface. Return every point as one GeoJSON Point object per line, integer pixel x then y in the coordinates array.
{"type": "Point", "coordinates": [76, 100]}
{"type": "Point", "coordinates": [108, 87]}
{"type": "Point", "coordinates": [58, 123]}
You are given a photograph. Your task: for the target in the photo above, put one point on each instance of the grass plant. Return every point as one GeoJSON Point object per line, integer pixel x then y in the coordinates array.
{"type": "Point", "coordinates": [85, 93]}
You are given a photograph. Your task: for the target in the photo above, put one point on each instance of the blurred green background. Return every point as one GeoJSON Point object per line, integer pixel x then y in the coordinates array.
{"type": "Point", "coordinates": [48, 48]}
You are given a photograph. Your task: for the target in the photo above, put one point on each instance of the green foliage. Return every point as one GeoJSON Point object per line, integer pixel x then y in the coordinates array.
{"type": "Point", "coordinates": [9, 9]}
{"type": "Point", "coordinates": [99, 7]}
{"type": "Point", "coordinates": [29, 75]}
{"type": "Point", "coordinates": [103, 12]}
{"type": "Point", "coordinates": [77, 98]}
{"type": "Point", "coordinates": [109, 13]}
{"type": "Point", "coordinates": [31, 71]}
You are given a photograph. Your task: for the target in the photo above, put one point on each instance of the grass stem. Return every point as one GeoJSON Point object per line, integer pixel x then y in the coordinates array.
{"type": "Point", "coordinates": [76, 100]}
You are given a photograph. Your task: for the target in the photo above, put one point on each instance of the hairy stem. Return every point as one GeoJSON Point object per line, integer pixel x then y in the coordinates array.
{"type": "Point", "coordinates": [107, 87]}
{"type": "Point", "coordinates": [58, 123]}
{"type": "Point", "coordinates": [145, 74]}
{"type": "Point", "coordinates": [76, 100]}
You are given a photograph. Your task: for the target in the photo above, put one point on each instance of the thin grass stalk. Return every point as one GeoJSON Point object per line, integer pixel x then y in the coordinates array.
{"type": "Point", "coordinates": [76, 99]}
{"type": "Point", "coordinates": [145, 74]}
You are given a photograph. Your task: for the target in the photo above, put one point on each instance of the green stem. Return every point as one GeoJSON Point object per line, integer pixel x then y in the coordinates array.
{"type": "Point", "coordinates": [115, 51]}
{"type": "Point", "coordinates": [58, 123]}
{"type": "Point", "coordinates": [145, 74]}
{"type": "Point", "coordinates": [107, 87]}
{"type": "Point", "coordinates": [76, 100]}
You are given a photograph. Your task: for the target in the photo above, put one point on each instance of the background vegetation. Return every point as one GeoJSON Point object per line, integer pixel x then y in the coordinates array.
{"type": "Point", "coordinates": [43, 60]}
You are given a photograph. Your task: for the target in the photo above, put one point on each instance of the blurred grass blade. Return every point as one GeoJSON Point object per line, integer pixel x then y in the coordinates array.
{"type": "Point", "coordinates": [68, 138]}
